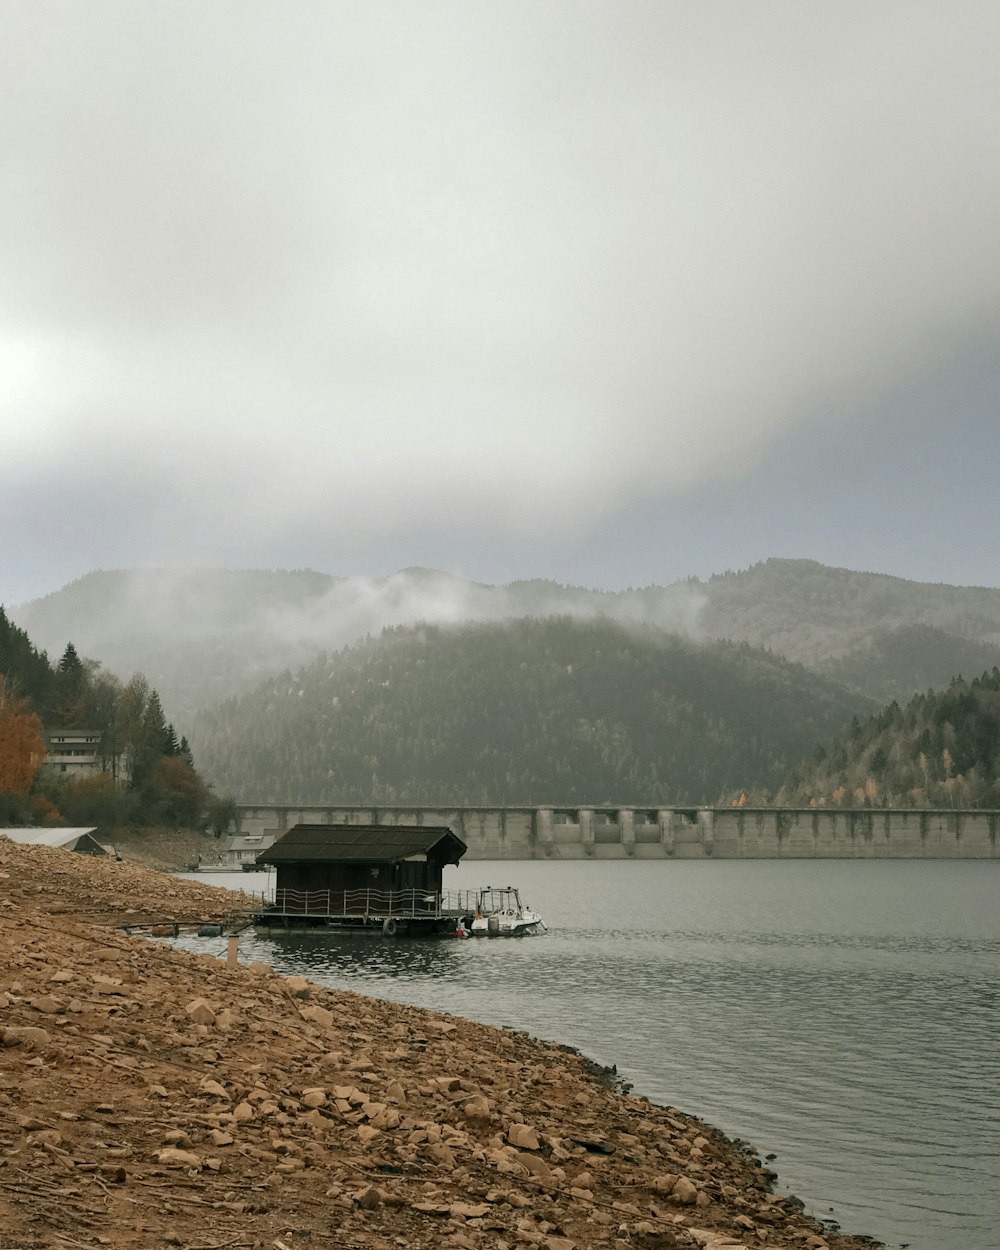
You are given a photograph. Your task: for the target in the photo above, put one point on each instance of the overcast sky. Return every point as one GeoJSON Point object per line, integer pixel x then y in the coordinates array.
{"type": "Point", "coordinates": [613, 293]}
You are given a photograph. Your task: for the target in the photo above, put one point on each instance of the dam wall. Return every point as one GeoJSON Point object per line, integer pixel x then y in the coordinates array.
{"type": "Point", "coordinates": [669, 832]}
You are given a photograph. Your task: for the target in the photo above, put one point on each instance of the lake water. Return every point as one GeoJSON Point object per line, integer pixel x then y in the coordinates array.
{"type": "Point", "coordinates": [842, 1015]}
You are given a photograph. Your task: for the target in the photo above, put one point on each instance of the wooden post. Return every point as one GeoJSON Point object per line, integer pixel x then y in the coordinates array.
{"type": "Point", "coordinates": [231, 955]}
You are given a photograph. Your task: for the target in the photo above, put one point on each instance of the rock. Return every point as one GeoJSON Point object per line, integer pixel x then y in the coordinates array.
{"type": "Point", "coordinates": [27, 1036]}
{"type": "Point", "coordinates": [477, 1111]}
{"type": "Point", "coordinates": [313, 1097]}
{"type": "Point", "coordinates": [200, 1011]}
{"type": "Point", "coordinates": [507, 1164]}
{"type": "Point", "coordinates": [685, 1191]}
{"type": "Point", "coordinates": [468, 1211]}
{"type": "Point", "coordinates": [318, 1015]}
{"type": "Point", "coordinates": [536, 1165]}
{"type": "Point", "coordinates": [664, 1183]}
{"type": "Point", "coordinates": [208, 1086]}
{"type": "Point", "coordinates": [174, 1158]}
{"type": "Point", "coordinates": [523, 1136]}
{"type": "Point", "coordinates": [298, 986]}
{"type": "Point", "coordinates": [368, 1198]}
{"type": "Point", "coordinates": [107, 985]}
{"type": "Point", "coordinates": [441, 1153]}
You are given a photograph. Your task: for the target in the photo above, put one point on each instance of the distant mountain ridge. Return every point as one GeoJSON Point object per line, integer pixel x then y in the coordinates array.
{"type": "Point", "coordinates": [203, 636]}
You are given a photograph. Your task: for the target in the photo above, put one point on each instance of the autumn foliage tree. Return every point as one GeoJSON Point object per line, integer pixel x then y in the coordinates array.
{"type": "Point", "coordinates": [941, 750]}
{"type": "Point", "coordinates": [21, 747]}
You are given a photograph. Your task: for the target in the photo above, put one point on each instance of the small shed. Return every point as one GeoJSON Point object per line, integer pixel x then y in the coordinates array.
{"type": "Point", "coordinates": [83, 841]}
{"type": "Point", "coordinates": [345, 861]}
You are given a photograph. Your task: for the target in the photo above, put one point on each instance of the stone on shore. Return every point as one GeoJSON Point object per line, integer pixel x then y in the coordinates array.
{"type": "Point", "coordinates": [171, 1099]}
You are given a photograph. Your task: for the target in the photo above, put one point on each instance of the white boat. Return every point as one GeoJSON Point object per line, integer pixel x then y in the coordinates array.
{"type": "Point", "coordinates": [500, 913]}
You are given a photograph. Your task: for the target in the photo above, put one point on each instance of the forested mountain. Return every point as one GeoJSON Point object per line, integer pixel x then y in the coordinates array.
{"type": "Point", "coordinates": [861, 628]}
{"type": "Point", "coordinates": [941, 750]}
{"type": "Point", "coordinates": [202, 636]}
{"type": "Point", "coordinates": [894, 664]}
{"type": "Point", "coordinates": [530, 711]}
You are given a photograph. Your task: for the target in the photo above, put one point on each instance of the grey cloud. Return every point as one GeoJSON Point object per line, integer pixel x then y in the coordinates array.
{"type": "Point", "coordinates": [358, 268]}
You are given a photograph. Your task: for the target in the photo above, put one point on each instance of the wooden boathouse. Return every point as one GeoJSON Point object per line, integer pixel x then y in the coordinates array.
{"type": "Point", "coordinates": [385, 877]}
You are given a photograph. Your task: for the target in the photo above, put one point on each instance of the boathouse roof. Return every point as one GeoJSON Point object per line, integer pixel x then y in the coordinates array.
{"type": "Point", "coordinates": [363, 844]}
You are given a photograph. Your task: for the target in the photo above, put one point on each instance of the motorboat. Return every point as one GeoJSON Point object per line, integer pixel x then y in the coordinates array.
{"type": "Point", "coordinates": [500, 913]}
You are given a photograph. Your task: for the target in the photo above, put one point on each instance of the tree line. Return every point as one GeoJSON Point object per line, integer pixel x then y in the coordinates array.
{"type": "Point", "coordinates": [144, 773]}
{"type": "Point", "coordinates": [942, 749]}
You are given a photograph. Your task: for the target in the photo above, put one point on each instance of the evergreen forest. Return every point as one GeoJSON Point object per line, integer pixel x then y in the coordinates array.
{"type": "Point", "coordinates": [551, 710]}
{"type": "Point", "coordinates": [144, 774]}
{"type": "Point", "coordinates": [942, 749]}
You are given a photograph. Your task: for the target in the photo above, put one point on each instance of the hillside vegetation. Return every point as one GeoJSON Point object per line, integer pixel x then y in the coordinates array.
{"type": "Point", "coordinates": [882, 635]}
{"type": "Point", "coordinates": [202, 636]}
{"type": "Point", "coordinates": [143, 773]}
{"type": "Point", "coordinates": [531, 711]}
{"type": "Point", "coordinates": [941, 750]}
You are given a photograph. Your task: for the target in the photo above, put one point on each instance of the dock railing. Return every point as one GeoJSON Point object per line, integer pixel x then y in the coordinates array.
{"type": "Point", "coordinates": [373, 904]}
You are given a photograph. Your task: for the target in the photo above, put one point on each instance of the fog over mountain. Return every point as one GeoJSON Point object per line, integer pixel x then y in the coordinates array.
{"type": "Point", "coordinates": [202, 636]}
{"type": "Point", "coordinates": [209, 634]}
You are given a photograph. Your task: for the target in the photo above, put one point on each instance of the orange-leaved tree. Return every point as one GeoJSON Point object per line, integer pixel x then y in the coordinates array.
{"type": "Point", "coordinates": [21, 747]}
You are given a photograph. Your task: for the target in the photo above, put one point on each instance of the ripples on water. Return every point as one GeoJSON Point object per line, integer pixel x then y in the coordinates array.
{"type": "Point", "coordinates": [843, 1015]}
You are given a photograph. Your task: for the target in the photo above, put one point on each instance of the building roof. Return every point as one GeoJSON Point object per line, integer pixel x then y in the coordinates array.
{"type": "Point", "coordinates": [362, 844]}
{"type": "Point", "coordinates": [247, 842]}
{"type": "Point", "coordinates": [34, 836]}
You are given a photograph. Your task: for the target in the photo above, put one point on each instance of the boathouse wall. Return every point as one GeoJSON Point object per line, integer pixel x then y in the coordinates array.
{"type": "Point", "coordinates": [599, 832]}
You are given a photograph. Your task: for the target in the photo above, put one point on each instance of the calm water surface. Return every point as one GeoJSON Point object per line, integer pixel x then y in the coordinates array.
{"type": "Point", "coordinates": [844, 1015]}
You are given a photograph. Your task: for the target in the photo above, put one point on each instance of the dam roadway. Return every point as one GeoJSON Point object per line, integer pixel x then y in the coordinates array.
{"type": "Point", "coordinates": [616, 832]}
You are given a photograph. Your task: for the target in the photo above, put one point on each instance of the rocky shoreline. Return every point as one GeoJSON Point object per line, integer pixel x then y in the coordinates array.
{"type": "Point", "coordinates": [150, 1097]}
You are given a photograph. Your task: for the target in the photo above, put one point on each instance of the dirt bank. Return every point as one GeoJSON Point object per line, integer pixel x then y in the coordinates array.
{"type": "Point", "coordinates": [154, 1098]}
{"type": "Point", "coordinates": [156, 846]}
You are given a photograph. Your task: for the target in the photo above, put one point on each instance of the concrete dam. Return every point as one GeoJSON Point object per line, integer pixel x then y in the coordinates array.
{"type": "Point", "coordinates": [668, 832]}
